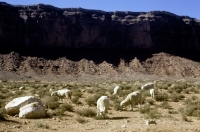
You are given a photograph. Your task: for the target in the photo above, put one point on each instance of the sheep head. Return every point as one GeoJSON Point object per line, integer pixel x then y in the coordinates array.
{"type": "Point", "coordinates": [53, 93]}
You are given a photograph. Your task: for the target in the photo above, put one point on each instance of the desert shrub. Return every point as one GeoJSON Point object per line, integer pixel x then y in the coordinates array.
{"type": "Point", "coordinates": [195, 90]}
{"type": "Point", "coordinates": [52, 105]}
{"type": "Point", "coordinates": [170, 91]}
{"type": "Point", "coordinates": [58, 112]}
{"type": "Point", "coordinates": [176, 97]}
{"type": "Point", "coordinates": [43, 91]}
{"type": "Point", "coordinates": [92, 100]}
{"type": "Point", "coordinates": [162, 85]}
{"type": "Point", "coordinates": [6, 95]}
{"type": "Point", "coordinates": [161, 97]}
{"type": "Point", "coordinates": [186, 91]}
{"type": "Point", "coordinates": [125, 87]}
{"type": "Point", "coordinates": [3, 115]}
{"type": "Point", "coordinates": [51, 102]}
{"type": "Point", "coordinates": [100, 91]}
{"type": "Point", "coordinates": [81, 120]}
{"type": "Point", "coordinates": [146, 93]}
{"type": "Point", "coordinates": [124, 93]}
{"type": "Point", "coordinates": [75, 100]}
{"type": "Point", "coordinates": [150, 101]}
{"type": "Point", "coordinates": [185, 118]}
{"type": "Point", "coordinates": [2, 103]}
{"type": "Point", "coordinates": [66, 107]}
{"type": "Point", "coordinates": [35, 86]}
{"type": "Point", "coordinates": [90, 91]}
{"type": "Point", "coordinates": [1, 86]}
{"type": "Point", "coordinates": [18, 94]}
{"type": "Point", "coordinates": [194, 98]}
{"type": "Point", "coordinates": [111, 90]}
{"type": "Point", "coordinates": [4, 90]}
{"type": "Point", "coordinates": [86, 112]}
{"type": "Point", "coordinates": [113, 97]}
{"type": "Point", "coordinates": [165, 105]}
{"type": "Point", "coordinates": [33, 91]}
{"type": "Point", "coordinates": [41, 125]}
{"type": "Point", "coordinates": [144, 109]}
{"type": "Point", "coordinates": [172, 112]}
{"type": "Point", "coordinates": [77, 92]}
{"type": "Point", "coordinates": [178, 87]}
{"type": "Point", "coordinates": [152, 114]}
{"type": "Point", "coordinates": [192, 107]}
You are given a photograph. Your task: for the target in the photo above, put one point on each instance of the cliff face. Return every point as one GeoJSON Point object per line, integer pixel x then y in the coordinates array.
{"type": "Point", "coordinates": [44, 25]}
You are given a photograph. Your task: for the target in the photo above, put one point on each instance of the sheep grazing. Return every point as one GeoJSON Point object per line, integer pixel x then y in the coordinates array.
{"type": "Point", "coordinates": [147, 86]}
{"type": "Point", "coordinates": [131, 99]}
{"type": "Point", "coordinates": [102, 105]}
{"type": "Point", "coordinates": [62, 93]}
{"type": "Point", "coordinates": [152, 92]}
{"type": "Point", "coordinates": [117, 90]}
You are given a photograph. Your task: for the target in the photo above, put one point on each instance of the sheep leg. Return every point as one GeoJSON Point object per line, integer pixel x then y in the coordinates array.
{"type": "Point", "coordinates": [131, 107]}
{"type": "Point", "coordinates": [139, 105]}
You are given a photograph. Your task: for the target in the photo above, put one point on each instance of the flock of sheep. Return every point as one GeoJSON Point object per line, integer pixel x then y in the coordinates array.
{"type": "Point", "coordinates": [103, 102]}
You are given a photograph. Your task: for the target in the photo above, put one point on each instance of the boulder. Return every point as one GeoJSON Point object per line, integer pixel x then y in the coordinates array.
{"type": "Point", "coordinates": [33, 110]}
{"type": "Point", "coordinates": [12, 108]}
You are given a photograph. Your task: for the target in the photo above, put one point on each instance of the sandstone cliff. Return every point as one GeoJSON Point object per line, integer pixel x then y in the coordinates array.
{"type": "Point", "coordinates": [48, 26]}
{"type": "Point", "coordinates": [45, 40]}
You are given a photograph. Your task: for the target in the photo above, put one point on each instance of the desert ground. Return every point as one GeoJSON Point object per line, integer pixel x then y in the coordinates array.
{"type": "Point", "coordinates": [174, 108]}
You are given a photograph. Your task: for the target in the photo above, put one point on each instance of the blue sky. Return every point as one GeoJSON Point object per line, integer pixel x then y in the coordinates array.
{"type": "Point", "coordinates": [180, 7]}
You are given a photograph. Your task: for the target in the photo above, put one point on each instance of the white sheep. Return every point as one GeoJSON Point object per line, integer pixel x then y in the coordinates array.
{"type": "Point", "coordinates": [147, 86]}
{"type": "Point", "coordinates": [22, 88]}
{"type": "Point", "coordinates": [131, 99]}
{"type": "Point", "coordinates": [117, 90]}
{"type": "Point", "coordinates": [50, 90]}
{"type": "Point", "coordinates": [102, 105]}
{"type": "Point", "coordinates": [62, 93]}
{"type": "Point", "coordinates": [152, 92]}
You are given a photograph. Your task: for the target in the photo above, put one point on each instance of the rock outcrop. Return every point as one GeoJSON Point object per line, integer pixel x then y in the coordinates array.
{"type": "Point", "coordinates": [32, 111]}
{"type": "Point", "coordinates": [12, 108]}
{"type": "Point", "coordinates": [48, 26]}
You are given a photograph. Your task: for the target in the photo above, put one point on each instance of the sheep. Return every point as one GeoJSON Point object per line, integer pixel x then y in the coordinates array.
{"type": "Point", "coordinates": [117, 90]}
{"type": "Point", "coordinates": [62, 93]}
{"type": "Point", "coordinates": [131, 99]}
{"type": "Point", "coordinates": [50, 90]}
{"type": "Point", "coordinates": [22, 88]}
{"type": "Point", "coordinates": [102, 105]}
{"type": "Point", "coordinates": [147, 86]}
{"type": "Point", "coordinates": [152, 92]}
